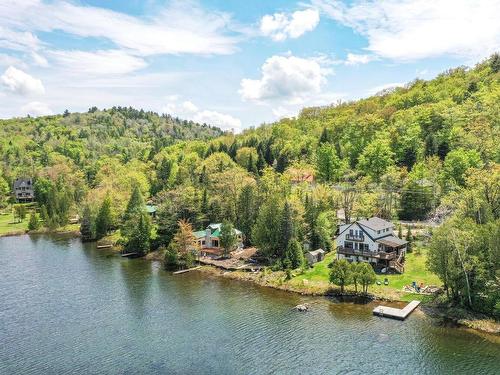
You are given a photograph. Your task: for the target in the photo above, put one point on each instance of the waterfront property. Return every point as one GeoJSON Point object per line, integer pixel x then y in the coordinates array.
{"type": "Point", "coordinates": [23, 190]}
{"type": "Point", "coordinates": [209, 240]}
{"type": "Point", "coordinates": [372, 240]}
{"type": "Point", "coordinates": [315, 256]}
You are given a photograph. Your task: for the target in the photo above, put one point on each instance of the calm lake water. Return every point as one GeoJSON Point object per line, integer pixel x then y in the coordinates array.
{"type": "Point", "coordinates": [67, 308]}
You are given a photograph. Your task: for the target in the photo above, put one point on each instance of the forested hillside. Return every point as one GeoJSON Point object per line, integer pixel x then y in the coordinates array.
{"type": "Point", "coordinates": [428, 150]}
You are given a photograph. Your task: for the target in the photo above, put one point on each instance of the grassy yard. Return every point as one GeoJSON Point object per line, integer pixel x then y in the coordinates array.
{"type": "Point", "coordinates": [317, 278]}
{"type": "Point", "coordinates": [7, 226]}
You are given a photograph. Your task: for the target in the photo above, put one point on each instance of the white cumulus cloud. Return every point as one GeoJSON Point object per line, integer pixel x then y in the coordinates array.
{"type": "Point", "coordinates": [21, 83]}
{"type": "Point", "coordinates": [286, 78]}
{"type": "Point", "coordinates": [280, 26]}
{"type": "Point", "coordinates": [36, 109]}
{"type": "Point", "coordinates": [417, 29]}
{"type": "Point", "coordinates": [180, 27]}
{"type": "Point", "coordinates": [355, 59]}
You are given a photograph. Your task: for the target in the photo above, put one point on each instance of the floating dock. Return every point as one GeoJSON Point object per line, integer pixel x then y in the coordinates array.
{"type": "Point", "coordinates": [394, 313]}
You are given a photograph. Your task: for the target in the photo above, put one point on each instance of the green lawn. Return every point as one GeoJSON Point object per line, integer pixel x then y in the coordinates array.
{"type": "Point", "coordinates": [317, 278]}
{"type": "Point", "coordinates": [8, 227]}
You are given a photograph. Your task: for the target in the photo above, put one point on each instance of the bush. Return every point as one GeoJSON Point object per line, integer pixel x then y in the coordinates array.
{"type": "Point", "coordinates": [34, 222]}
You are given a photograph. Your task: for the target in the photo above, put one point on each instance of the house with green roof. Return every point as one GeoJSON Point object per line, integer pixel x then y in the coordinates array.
{"type": "Point", "coordinates": [209, 241]}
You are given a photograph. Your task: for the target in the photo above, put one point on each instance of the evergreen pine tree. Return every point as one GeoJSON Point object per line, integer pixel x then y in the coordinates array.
{"type": "Point", "coordinates": [104, 220]}
{"type": "Point", "coordinates": [86, 225]}
{"type": "Point", "coordinates": [139, 240]}
{"type": "Point", "coordinates": [135, 204]}
{"type": "Point", "coordinates": [324, 136]}
{"type": "Point", "coordinates": [246, 211]}
{"type": "Point", "coordinates": [261, 162]}
{"type": "Point", "coordinates": [251, 166]}
{"type": "Point", "coordinates": [228, 239]}
{"type": "Point", "coordinates": [409, 238]}
{"type": "Point", "coordinates": [286, 230]}
{"type": "Point", "coordinates": [294, 256]}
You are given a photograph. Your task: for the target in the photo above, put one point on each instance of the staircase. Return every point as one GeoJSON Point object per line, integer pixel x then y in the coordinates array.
{"type": "Point", "coordinates": [397, 264]}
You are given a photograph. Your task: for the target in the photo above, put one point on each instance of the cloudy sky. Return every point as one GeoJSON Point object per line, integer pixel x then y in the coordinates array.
{"type": "Point", "coordinates": [231, 63]}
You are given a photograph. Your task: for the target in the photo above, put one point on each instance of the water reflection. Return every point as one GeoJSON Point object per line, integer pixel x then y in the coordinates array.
{"type": "Point", "coordinates": [72, 308]}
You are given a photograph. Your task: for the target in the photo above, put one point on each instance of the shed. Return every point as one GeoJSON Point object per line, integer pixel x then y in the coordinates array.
{"type": "Point", "coordinates": [315, 256]}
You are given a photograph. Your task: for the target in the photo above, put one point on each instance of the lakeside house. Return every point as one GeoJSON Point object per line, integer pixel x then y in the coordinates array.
{"type": "Point", "coordinates": [209, 240]}
{"type": "Point", "coordinates": [315, 256]}
{"type": "Point", "coordinates": [23, 190]}
{"type": "Point", "coordinates": [373, 241]}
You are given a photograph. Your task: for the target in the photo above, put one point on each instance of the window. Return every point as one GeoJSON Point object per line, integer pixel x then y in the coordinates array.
{"type": "Point", "coordinates": [350, 232]}
{"type": "Point", "coordinates": [378, 232]}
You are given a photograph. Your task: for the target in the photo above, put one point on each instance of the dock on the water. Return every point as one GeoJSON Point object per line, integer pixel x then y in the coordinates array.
{"type": "Point", "coordinates": [186, 270]}
{"type": "Point", "coordinates": [130, 255]}
{"type": "Point", "coordinates": [392, 312]}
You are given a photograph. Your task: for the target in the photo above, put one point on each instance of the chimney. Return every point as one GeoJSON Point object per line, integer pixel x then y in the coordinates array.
{"type": "Point", "coordinates": [208, 242]}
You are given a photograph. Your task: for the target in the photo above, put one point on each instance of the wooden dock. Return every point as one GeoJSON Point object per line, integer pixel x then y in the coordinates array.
{"type": "Point", "coordinates": [394, 313]}
{"type": "Point", "coordinates": [105, 246]}
{"type": "Point", "coordinates": [186, 270]}
{"type": "Point", "coordinates": [130, 255]}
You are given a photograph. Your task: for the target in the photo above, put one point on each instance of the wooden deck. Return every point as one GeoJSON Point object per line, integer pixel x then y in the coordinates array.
{"type": "Point", "coordinates": [392, 312]}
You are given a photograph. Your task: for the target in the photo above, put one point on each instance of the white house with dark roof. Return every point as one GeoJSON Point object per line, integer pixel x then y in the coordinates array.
{"type": "Point", "coordinates": [372, 240]}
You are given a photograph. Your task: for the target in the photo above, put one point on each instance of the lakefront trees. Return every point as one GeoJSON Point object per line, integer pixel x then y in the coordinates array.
{"type": "Point", "coordinates": [410, 153]}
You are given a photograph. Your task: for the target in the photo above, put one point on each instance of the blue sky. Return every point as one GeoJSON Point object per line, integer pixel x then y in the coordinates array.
{"type": "Point", "coordinates": [230, 63]}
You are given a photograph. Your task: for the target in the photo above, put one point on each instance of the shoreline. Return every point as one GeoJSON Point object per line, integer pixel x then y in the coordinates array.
{"type": "Point", "coordinates": [443, 315]}
{"type": "Point", "coordinates": [446, 315]}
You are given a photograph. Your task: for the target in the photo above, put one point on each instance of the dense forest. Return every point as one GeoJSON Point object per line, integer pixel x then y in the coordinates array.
{"type": "Point", "coordinates": [427, 151]}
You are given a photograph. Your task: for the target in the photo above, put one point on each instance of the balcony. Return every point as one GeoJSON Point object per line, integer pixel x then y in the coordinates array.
{"type": "Point", "coordinates": [353, 237]}
{"type": "Point", "coordinates": [367, 253]}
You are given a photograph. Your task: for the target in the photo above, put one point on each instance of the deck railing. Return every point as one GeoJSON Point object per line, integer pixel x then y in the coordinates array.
{"type": "Point", "coordinates": [366, 253]}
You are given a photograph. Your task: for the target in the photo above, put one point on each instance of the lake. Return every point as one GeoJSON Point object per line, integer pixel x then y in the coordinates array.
{"type": "Point", "coordinates": [68, 308]}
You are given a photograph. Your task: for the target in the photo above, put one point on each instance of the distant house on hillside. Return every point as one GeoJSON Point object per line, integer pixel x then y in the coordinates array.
{"type": "Point", "coordinates": [151, 210]}
{"type": "Point", "coordinates": [23, 190]}
{"type": "Point", "coordinates": [298, 176]}
{"type": "Point", "coordinates": [372, 240]}
{"type": "Point", "coordinates": [209, 240]}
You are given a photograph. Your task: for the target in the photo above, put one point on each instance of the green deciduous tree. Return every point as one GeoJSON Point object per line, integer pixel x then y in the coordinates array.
{"type": "Point", "coordinates": [330, 167]}
{"type": "Point", "coordinates": [366, 276]}
{"type": "Point", "coordinates": [376, 158]}
{"type": "Point", "coordinates": [340, 273]}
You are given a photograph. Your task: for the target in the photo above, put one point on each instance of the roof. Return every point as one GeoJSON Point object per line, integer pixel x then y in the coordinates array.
{"type": "Point", "coordinates": [216, 229]}
{"type": "Point", "coordinates": [150, 208]}
{"type": "Point", "coordinates": [199, 234]}
{"type": "Point", "coordinates": [22, 182]}
{"type": "Point", "coordinates": [376, 223]}
{"type": "Point", "coordinates": [316, 252]}
{"type": "Point", "coordinates": [392, 241]}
